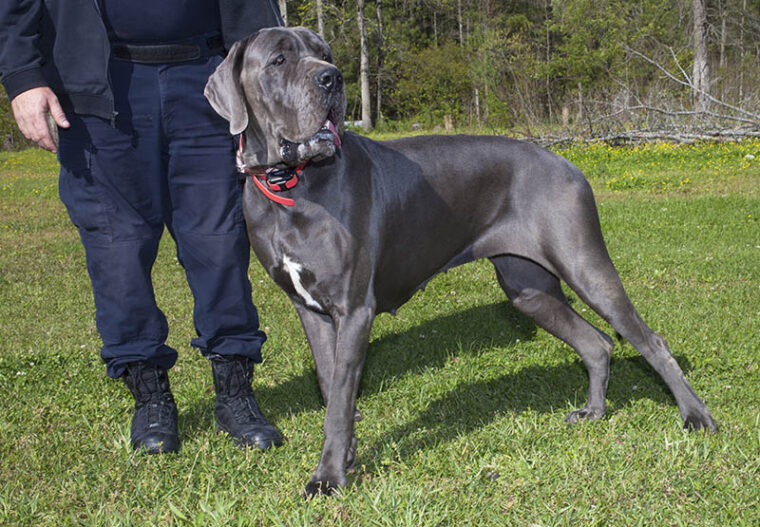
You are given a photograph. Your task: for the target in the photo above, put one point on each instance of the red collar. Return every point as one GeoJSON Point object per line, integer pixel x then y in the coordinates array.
{"type": "Point", "coordinates": [271, 180]}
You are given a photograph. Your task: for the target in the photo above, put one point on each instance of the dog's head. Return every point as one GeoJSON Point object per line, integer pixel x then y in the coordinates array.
{"type": "Point", "coordinates": [279, 86]}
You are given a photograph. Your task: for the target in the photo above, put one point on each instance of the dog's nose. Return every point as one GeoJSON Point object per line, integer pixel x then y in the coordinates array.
{"type": "Point", "coordinates": [329, 78]}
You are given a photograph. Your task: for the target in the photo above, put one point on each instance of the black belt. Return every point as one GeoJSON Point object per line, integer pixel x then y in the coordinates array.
{"type": "Point", "coordinates": [181, 51]}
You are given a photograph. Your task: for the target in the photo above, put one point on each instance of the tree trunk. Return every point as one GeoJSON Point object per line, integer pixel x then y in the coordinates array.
{"type": "Point", "coordinates": [459, 20]}
{"type": "Point", "coordinates": [700, 77]}
{"type": "Point", "coordinates": [742, 56]}
{"type": "Point", "coordinates": [284, 11]}
{"type": "Point", "coordinates": [364, 68]}
{"type": "Point", "coordinates": [435, 29]}
{"type": "Point", "coordinates": [380, 62]}
{"type": "Point", "coordinates": [467, 24]}
{"type": "Point", "coordinates": [320, 18]}
{"type": "Point", "coordinates": [723, 37]}
{"type": "Point", "coordinates": [548, 56]}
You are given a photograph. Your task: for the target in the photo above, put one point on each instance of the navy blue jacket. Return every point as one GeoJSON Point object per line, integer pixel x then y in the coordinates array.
{"type": "Point", "coordinates": [63, 44]}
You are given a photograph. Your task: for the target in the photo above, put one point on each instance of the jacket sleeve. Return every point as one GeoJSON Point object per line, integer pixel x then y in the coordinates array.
{"type": "Point", "coordinates": [20, 57]}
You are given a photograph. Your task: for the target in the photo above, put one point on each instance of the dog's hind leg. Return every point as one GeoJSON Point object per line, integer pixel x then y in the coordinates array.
{"type": "Point", "coordinates": [537, 293]}
{"type": "Point", "coordinates": [591, 274]}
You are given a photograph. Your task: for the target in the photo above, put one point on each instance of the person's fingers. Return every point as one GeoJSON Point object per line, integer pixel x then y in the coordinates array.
{"type": "Point", "coordinates": [57, 112]}
{"type": "Point", "coordinates": [35, 128]}
{"type": "Point", "coordinates": [40, 129]}
{"type": "Point", "coordinates": [40, 132]}
{"type": "Point", "coordinates": [46, 141]}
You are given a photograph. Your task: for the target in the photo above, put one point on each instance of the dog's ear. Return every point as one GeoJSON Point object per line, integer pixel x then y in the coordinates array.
{"type": "Point", "coordinates": [224, 89]}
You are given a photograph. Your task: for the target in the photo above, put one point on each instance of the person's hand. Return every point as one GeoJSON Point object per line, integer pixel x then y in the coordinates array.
{"type": "Point", "coordinates": [31, 108]}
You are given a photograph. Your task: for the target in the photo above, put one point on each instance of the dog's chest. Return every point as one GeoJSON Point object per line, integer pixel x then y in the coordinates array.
{"type": "Point", "coordinates": [311, 249]}
{"type": "Point", "coordinates": [293, 277]}
{"type": "Point", "coordinates": [303, 257]}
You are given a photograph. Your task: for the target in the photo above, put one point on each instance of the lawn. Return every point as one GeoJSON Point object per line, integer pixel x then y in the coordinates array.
{"type": "Point", "coordinates": [463, 397]}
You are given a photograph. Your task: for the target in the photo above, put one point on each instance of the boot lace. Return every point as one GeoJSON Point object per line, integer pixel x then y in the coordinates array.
{"type": "Point", "coordinates": [245, 408]}
{"type": "Point", "coordinates": [160, 408]}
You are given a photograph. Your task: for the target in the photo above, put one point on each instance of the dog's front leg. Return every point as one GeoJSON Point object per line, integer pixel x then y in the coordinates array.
{"type": "Point", "coordinates": [352, 335]}
{"type": "Point", "coordinates": [320, 332]}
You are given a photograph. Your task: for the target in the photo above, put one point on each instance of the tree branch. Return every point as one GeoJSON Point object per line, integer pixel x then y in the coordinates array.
{"type": "Point", "coordinates": [755, 118]}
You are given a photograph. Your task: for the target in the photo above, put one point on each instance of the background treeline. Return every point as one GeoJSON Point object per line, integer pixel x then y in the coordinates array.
{"type": "Point", "coordinates": [580, 67]}
{"type": "Point", "coordinates": [609, 68]}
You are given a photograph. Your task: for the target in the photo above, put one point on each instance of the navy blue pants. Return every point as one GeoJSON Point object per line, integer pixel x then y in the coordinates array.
{"type": "Point", "coordinates": [168, 162]}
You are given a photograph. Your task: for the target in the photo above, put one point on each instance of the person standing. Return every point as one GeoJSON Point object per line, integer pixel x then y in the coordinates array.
{"type": "Point", "coordinates": [141, 150]}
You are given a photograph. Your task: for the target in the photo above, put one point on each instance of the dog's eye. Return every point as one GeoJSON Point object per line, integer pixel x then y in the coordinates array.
{"type": "Point", "coordinates": [326, 57]}
{"type": "Point", "coordinates": [279, 60]}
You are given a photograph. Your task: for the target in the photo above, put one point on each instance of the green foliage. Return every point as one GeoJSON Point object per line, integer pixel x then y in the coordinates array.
{"type": "Point", "coordinates": [433, 83]}
{"type": "Point", "coordinates": [10, 136]}
{"type": "Point", "coordinates": [591, 36]}
{"type": "Point", "coordinates": [8, 131]}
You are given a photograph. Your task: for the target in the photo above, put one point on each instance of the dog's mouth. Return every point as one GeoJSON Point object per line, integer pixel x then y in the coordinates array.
{"type": "Point", "coordinates": [328, 132]}
{"type": "Point", "coordinates": [323, 144]}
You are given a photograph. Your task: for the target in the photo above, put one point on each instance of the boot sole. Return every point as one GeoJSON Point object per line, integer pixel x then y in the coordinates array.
{"type": "Point", "coordinates": [158, 447]}
{"type": "Point", "coordinates": [242, 442]}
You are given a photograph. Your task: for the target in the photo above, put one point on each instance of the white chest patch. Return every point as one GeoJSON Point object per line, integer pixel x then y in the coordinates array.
{"type": "Point", "coordinates": [294, 271]}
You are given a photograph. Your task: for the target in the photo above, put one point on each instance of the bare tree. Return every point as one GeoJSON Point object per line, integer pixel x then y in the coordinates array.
{"type": "Point", "coordinates": [364, 67]}
{"type": "Point", "coordinates": [284, 11]}
{"type": "Point", "coordinates": [320, 18]}
{"type": "Point", "coordinates": [742, 55]}
{"type": "Point", "coordinates": [712, 118]}
{"type": "Point", "coordinates": [380, 61]}
{"type": "Point", "coordinates": [459, 21]}
{"type": "Point", "coordinates": [723, 13]}
{"type": "Point", "coordinates": [700, 78]}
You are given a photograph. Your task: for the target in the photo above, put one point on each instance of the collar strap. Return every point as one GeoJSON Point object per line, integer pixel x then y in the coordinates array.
{"type": "Point", "coordinates": [271, 180]}
{"type": "Point", "coordinates": [277, 180]}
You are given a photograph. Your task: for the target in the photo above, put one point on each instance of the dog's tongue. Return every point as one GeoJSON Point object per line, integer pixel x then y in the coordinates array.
{"type": "Point", "coordinates": [330, 126]}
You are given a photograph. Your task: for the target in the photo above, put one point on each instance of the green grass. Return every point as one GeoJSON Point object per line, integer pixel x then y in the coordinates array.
{"type": "Point", "coordinates": [463, 398]}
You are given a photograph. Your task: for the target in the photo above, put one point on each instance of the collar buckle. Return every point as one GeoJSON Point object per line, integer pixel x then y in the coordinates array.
{"type": "Point", "coordinates": [279, 180]}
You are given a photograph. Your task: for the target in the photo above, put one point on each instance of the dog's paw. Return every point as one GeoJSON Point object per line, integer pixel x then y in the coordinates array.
{"type": "Point", "coordinates": [584, 414]}
{"type": "Point", "coordinates": [700, 420]}
{"type": "Point", "coordinates": [316, 488]}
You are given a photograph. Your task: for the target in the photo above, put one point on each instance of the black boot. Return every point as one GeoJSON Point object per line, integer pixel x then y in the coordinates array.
{"type": "Point", "coordinates": [237, 411]}
{"type": "Point", "coordinates": [154, 425]}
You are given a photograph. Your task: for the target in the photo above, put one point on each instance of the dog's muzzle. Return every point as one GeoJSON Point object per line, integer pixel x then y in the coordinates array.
{"type": "Point", "coordinates": [324, 143]}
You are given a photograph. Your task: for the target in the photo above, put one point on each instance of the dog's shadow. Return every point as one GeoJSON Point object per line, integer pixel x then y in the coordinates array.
{"type": "Point", "coordinates": [470, 405]}
{"type": "Point", "coordinates": [474, 404]}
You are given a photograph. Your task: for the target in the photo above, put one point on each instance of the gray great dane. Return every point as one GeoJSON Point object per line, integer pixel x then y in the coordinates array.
{"type": "Point", "coordinates": [369, 223]}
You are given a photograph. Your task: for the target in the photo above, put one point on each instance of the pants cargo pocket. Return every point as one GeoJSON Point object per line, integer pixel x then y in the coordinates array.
{"type": "Point", "coordinates": [83, 195]}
